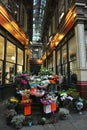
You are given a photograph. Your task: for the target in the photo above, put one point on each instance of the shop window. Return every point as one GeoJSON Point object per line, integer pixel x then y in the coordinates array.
{"type": "Point", "coordinates": [72, 54]}
{"type": "Point", "coordinates": [0, 72]}
{"type": "Point", "coordinates": [10, 62]}
{"type": "Point", "coordinates": [72, 49]}
{"type": "Point", "coordinates": [73, 67]}
{"type": "Point", "coordinates": [58, 62]}
{"type": "Point", "coordinates": [50, 62]}
{"type": "Point", "coordinates": [58, 58]}
{"type": "Point", "coordinates": [64, 69]}
{"type": "Point", "coordinates": [59, 70]}
{"type": "Point", "coordinates": [19, 69]}
{"type": "Point", "coordinates": [2, 48]}
{"type": "Point", "coordinates": [19, 61]}
{"type": "Point", "coordinates": [64, 54]}
{"type": "Point", "coordinates": [1, 57]}
{"type": "Point", "coordinates": [11, 52]}
{"type": "Point", "coordinates": [20, 57]}
{"type": "Point", "coordinates": [10, 72]}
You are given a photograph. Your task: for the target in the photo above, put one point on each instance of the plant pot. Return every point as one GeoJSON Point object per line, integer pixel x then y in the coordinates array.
{"type": "Point", "coordinates": [63, 116]}
{"type": "Point", "coordinates": [30, 123]}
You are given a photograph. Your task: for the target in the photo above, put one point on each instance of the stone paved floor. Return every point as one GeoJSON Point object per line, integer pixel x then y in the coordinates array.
{"type": "Point", "coordinates": [75, 121]}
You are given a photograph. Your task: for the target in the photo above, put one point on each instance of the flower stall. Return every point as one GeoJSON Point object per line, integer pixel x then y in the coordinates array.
{"type": "Point", "coordinates": [41, 94]}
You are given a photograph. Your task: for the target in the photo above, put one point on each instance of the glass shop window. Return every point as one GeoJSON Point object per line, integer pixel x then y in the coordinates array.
{"type": "Point", "coordinates": [10, 72]}
{"type": "Point", "coordinates": [10, 62]}
{"type": "Point", "coordinates": [58, 58]}
{"type": "Point", "coordinates": [64, 69]}
{"type": "Point", "coordinates": [1, 57]}
{"type": "Point", "coordinates": [72, 49]}
{"type": "Point", "coordinates": [72, 55]}
{"type": "Point", "coordinates": [64, 54]}
{"type": "Point", "coordinates": [11, 52]}
{"type": "Point", "coordinates": [20, 57]}
{"type": "Point", "coordinates": [2, 48]}
{"type": "Point", "coordinates": [19, 61]}
{"type": "Point", "coordinates": [19, 69]}
{"type": "Point", "coordinates": [73, 66]}
{"type": "Point", "coordinates": [0, 72]}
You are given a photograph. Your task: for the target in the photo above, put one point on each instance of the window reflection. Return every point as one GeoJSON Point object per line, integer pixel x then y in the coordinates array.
{"type": "Point", "coordinates": [1, 57]}
{"type": "Point", "coordinates": [73, 66]}
{"type": "Point", "coordinates": [0, 72]}
{"type": "Point", "coordinates": [72, 54]}
{"type": "Point", "coordinates": [10, 72]}
{"type": "Point", "coordinates": [10, 62]}
{"type": "Point", "coordinates": [20, 57]}
{"type": "Point", "coordinates": [72, 49]}
{"type": "Point", "coordinates": [2, 48]}
{"type": "Point", "coordinates": [19, 69]}
{"type": "Point", "coordinates": [11, 52]}
{"type": "Point", "coordinates": [58, 59]}
{"type": "Point", "coordinates": [64, 54]}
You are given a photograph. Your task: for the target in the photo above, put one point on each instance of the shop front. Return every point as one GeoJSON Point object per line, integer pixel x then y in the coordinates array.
{"type": "Point", "coordinates": [70, 43]}
{"type": "Point", "coordinates": [12, 53]}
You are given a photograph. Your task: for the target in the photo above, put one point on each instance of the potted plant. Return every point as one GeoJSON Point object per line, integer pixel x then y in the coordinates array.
{"type": "Point", "coordinates": [63, 113]}
{"type": "Point", "coordinates": [17, 121]}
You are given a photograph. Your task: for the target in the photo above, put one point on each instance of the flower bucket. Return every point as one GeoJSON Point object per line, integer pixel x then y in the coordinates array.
{"type": "Point", "coordinates": [53, 107]}
{"type": "Point", "coordinates": [47, 108]}
{"type": "Point", "coordinates": [23, 98]}
{"type": "Point", "coordinates": [30, 123]}
{"type": "Point", "coordinates": [27, 109]}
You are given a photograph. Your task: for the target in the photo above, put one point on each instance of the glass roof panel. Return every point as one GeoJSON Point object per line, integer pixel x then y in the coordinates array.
{"type": "Point", "coordinates": [38, 13]}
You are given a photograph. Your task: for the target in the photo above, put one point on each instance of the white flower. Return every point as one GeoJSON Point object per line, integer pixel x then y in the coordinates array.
{"type": "Point", "coordinates": [69, 97]}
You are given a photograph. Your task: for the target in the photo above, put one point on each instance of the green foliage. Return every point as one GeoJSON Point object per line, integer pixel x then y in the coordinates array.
{"type": "Point", "coordinates": [73, 92]}
{"type": "Point", "coordinates": [80, 99]}
{"type": "Point", "coordinates": [70, 92]}
{"type": "Point", "coordinates": [45, 71]}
